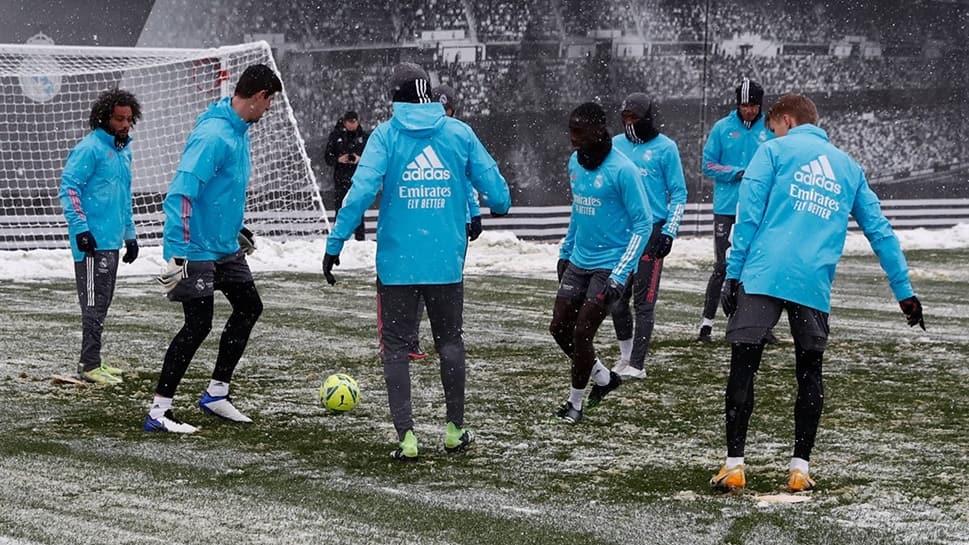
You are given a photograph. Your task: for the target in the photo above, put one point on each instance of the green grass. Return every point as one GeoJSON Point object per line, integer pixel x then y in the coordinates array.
{"type": "Point", "coordinates": [75, 466]}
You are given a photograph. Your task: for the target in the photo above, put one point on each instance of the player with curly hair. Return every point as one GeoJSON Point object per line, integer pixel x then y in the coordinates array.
{"type": "Point", "coordinates": [96, 196]}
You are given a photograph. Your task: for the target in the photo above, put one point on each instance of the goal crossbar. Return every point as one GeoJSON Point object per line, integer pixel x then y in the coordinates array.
{"type": "Point", "coordinates": [46, 93]}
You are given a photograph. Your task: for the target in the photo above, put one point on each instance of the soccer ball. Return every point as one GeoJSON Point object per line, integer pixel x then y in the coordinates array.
{"type": "Point", "coordinates": [339, 393]}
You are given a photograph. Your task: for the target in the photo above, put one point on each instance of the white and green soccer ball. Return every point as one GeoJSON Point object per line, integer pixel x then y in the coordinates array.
{"type": "Point", "coordinates": [339, 393]}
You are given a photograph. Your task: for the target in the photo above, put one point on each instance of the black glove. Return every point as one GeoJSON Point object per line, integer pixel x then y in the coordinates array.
{"type": "Point", "coordinates": [728, 296]}
{"type": "Point", "coordinates": [560, 268]}
{"type": "Point", "coordinates": [474, 228]}
{"type": "Point", "coordinates": [912, 309]}
{"type": "Point", "coordinates": [330, 261]}
{"type": "Point", "coordinates": [738, 176]}
{"type": "Point", "coordinates": [247, 241]}
{"type": "Point", "coordinates": [610, 293]}
{"type": "Point", "coordinates": [130, 250]}
{"type": "Point", "coordinates": [85, 242]}
{"type": "Point", "coordinates": [659, 246]}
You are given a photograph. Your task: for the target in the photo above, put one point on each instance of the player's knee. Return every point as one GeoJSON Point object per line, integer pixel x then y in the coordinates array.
{"type": "Point", "coordinates": [585, 332]}
{"type": "Point", "coordinates": [198, 329]}
{"type": "Point", "coordinates": [557, 327]}
{"type": "Point", "coordinates": [252, 309]}
{"type": "Point", "coordinates": [450, 350]}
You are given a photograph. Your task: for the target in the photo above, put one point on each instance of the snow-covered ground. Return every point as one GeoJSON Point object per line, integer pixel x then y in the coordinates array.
{"type": "Point", "coordinates": [497, 252]}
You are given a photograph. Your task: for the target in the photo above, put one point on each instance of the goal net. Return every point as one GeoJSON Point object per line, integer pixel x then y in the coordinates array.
{"type": "Point", "coordinates": [46, 93]}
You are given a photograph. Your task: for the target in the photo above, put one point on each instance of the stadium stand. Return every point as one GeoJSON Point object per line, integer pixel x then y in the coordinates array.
{"type": "Point", "coordinates": [891, 81]}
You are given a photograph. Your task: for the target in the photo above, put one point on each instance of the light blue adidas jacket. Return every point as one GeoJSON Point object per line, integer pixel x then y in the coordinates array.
{"type": "Point", "coordinates": [610, 222]}
{"type": "Point", "coordinates": [205, 204]}
{"type": "Point", "coordinates": [662, 175]}
{"type": "Point", "coordinates": [420, 161]}
{"type": "Point", "coordinates": [795, 199]}
{"type": "Point", "coordinates": [96, 192]}
{"type": "Point", "coordinates": [729, 148]}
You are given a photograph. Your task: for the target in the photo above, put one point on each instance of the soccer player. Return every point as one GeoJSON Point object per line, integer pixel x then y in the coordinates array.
{"type": "Point", "coordinates": [448, 98]}
{"type": "Point", "coordinates": [792, 220]}
{"type": "Point", "coordinates": [608, 230]}
{"type": "Point", "coordinates": [661, 173]}
{"type": "Point", "coordinates": [730, 145]}
{"type": "Point", "coordinates": [96, 196]}
{"type": "Point", "coordinates": [205, 243]}
{"type": "Point", "coordinates": [420, 161]}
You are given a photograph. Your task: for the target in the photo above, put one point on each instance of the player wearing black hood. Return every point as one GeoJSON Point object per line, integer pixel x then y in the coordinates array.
{"type": "Point", "coordinates": [661, 174]}
{"type": "Point", "coordinates": [343, 150]}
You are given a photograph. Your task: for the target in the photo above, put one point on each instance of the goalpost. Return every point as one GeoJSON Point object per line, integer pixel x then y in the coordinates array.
{"type": "Point", "coordinates": [46, 93]}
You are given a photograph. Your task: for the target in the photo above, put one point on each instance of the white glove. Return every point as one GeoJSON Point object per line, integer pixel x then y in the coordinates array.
{"type": "Point", "coordinates": [247, 242]}
{"type": "Point", "coordinates": [175, 270]}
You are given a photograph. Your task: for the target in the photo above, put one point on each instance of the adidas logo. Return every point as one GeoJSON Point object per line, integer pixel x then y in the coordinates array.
{"type": "Point", "coordinates": [818, 173]}
{"type": "Point", "coordinates": [426, 166]}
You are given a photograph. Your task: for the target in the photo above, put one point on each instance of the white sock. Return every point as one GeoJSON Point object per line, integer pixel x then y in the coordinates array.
{"type": "Point", "coordinates": [734, 462]}
{"type": "Point", "coordinates": [575, 397]}
{"type": "Point", "coordinates": [799, 463]}
{"type": "Point", "coordinates": [158, 407]}
{"type": "Point", "coordinates": [625, 348]}
{"type": "Point", "coordinates": [707, 322]}
{"type": "Point", "coordinates": [217, 388]}
{"type": "Point", "coordinates": [600, 373]}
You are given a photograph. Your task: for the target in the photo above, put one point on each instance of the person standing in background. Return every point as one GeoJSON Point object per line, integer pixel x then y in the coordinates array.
{"type": "Point", "coordinates": [96, 196]}
{"type": "Point", "coordinates": [730, 145]}
{"type": "Point", "coordinates": [343, 150]}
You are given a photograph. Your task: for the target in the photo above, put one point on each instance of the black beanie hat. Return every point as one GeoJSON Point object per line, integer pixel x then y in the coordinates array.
{"type": "Point", "coordinates": [643, 107]}
{"type": "Point", "coordinates": [446, 96]}
{"type": "Point", "coordinates": [639, 104]}
{"type": "Point", "coordinates": [410, 83]}
{"type": "Point", "coordinates": [350, 114]}
{"type": "Point", "coordinates": [587, 115]}
{"type": "Point", "coordinates": [750, 92]}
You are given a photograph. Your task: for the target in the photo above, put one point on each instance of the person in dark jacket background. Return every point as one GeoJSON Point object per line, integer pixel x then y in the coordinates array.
{"type": "Point", "coordinates": [343, 150]}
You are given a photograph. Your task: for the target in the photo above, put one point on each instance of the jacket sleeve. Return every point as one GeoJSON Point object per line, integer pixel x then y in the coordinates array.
{"type": "Point", "coordinates": [178, 213]}
{"type": "Point", "coordinates": [676, 188]}
{"type": "Point", "coordinates": [366, 184]}
{"type": "Point", "coordinates": [712, 166]}
{"type": "Point", "coordinates": [130, 231]}
{"type": "Point", "coordinates": [364, 135]}
{"type": "Point", "coordinates": [80, 166]}
{"type": "Point", "coordinates": [866, 210]}
{"type": "Point", "coordinates": [751, 207]}
{"type": "Point", "coordinates": [486, 178]}
{"type": "Point", "coordinates": [633, 196]}
{"type": "Point", "coordinates": [203, 156]}
{"type": "Point", "coordinates": [568, 243]}
{"type": "Point", "coordinates": [473, 208]}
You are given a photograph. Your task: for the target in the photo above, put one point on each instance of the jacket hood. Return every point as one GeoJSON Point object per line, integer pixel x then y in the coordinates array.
{"type": "Point", "coordinates": [418, 119]}
{"type": "Point", "coordinates": [809, 128]}
{"type": "Point", "coordinates": [222, 109]}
